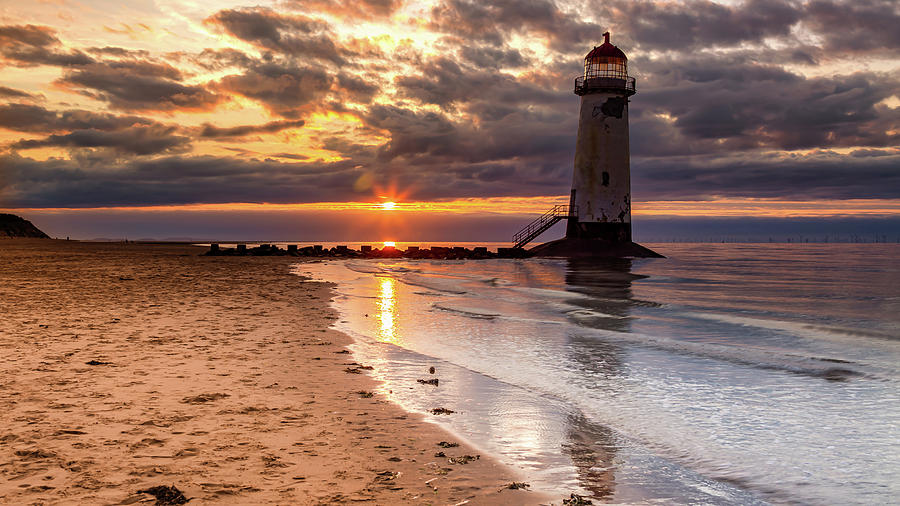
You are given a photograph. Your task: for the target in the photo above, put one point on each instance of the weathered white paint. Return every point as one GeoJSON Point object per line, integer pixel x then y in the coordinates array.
{"type": "Point", "coordinates": [602, 147]}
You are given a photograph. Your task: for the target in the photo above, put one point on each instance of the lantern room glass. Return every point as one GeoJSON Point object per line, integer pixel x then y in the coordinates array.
{"type": "Point", "coordinates": [611, 67]}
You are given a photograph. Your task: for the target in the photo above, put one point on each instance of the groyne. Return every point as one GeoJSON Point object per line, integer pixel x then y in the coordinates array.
{"type": "Point", "coordinates": [319, 251]}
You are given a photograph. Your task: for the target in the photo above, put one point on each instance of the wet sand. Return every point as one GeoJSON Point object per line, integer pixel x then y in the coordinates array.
{"type": "Point", "coordinates": [128, 366]}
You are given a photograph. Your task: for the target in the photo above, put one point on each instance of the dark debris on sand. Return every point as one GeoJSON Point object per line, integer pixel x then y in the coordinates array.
{"type": "Point", "coordinates": [442, 411]}
{"type": "Point", "coordinates": [433, 381]}
{"type": "Point", "coordinates": [97, 362]}
{"type": "Point", "coordinates": [202, 398]}
{"type": "Point", "coordinates": [518, 485]}
{"type": "Point", "coordinates": [463, 459]}
{"type": "Point", "coordinates": [165, 495]}
{"type": "Point", "coordinates": [445, 444]}
{"type": "Point", "coordinates": [576, 500]}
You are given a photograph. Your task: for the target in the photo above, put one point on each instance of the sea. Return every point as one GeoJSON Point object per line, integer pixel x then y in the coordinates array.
{"type": "Point", "coordinates": [721, 374]}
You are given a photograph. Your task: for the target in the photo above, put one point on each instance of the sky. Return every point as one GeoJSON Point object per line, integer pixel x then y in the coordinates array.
{"type": "Point", "coordinates": [297, 120]}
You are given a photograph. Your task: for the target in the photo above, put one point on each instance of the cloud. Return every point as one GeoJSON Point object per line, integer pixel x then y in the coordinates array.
{"type": "Point", "coordinates": [217, 59]}
{"type": "Point", "coordinates": [171, 180]}
{"type": "Point", "coordinates": [210, 131]}
{"type": "Point", "coordinates": [295, 35]}
{"type": "Point", "coordinates": [447, 83]}
{"type": "Point", "coordinates": [819, 175]}
{"type": "Point", "coordinates": [492, 58]}
{"type": "Point", "coordinates": [33, 118]}
{"type": "Point", "coordinates": [105, 133]}
{"type": "Point", "coordinates": [494, 22]}
{"type": "Point", "coordinates": [202, 179]}
{"type": "Point", "coordinates": [723, 103]}
{"type": "Point", "coordinates": [356, 89]}
{"type": "Point", "coordinates": [700, 24]}
{"type": "Point", "coordinates": [138, 140]}
{"type": "Point", "coordinates": [857, 26]}
{"type": "Point", "coordinates": [30, 45]}
{"type": "Point", "coordinates": [14, 93]}
{"type": "Point", "coordinates": [353, 9]}
{"type": "Point", "coordinates": [139, 86]}
{"type": "Point", "coordinates": [284, 89]}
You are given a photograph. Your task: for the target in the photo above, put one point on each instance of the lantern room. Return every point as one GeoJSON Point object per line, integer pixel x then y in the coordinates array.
{"type": "Point", "coordinates": [606, 60]}
{"type": "Point", "coordinates": [605, 69]}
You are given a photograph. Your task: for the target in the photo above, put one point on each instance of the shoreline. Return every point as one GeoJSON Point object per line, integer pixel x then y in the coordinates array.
{"type": "Point", "coordinates": [128, 366]}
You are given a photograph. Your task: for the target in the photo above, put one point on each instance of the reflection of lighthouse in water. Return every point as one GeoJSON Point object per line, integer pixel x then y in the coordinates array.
{"type": "Point", "coordinates": [601, 184]}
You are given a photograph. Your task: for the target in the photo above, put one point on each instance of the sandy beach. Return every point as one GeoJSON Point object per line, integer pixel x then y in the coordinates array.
{"type": "Point", "coordinates": [131, 366]}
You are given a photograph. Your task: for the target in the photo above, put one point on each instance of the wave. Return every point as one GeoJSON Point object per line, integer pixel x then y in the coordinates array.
{"type": "Point", "coordinates": [445, 285]}
{"type": "Point", "coordinates": [465, 311]}
{"type": "Point", "coordinates": [760, 358]}
{"type": "Point", "coordinates": [811, 331]}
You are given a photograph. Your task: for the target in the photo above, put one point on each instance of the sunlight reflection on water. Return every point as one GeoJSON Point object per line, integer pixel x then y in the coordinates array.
{"type": "Point", "coordinates": [386, 306]}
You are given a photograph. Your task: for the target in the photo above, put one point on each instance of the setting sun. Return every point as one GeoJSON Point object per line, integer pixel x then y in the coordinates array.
{"type": "Point", "coordinates": [387, 206]}
{"type": "Point", "coordinates": [389, 244]}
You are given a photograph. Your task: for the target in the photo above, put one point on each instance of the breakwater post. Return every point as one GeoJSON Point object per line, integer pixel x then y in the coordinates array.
{"type": "Point", "coordinates": [366, 251]}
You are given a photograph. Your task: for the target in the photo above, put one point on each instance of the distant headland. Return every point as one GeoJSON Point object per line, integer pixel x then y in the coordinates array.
{"type": "Point", "coordinates": [14, 226]}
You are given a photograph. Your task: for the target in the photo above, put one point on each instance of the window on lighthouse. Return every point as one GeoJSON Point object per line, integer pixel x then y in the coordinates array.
{"type": "Point", "coordinates": [611, 67]}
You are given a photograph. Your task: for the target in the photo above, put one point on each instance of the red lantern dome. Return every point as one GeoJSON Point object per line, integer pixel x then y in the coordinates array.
{"type": "Point", "coordinates": [606, 60]}
{"type": "Point", "coordinates": [605, 70]}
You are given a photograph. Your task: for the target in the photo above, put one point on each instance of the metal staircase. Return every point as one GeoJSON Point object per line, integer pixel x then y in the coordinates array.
{"type": "Point", "coordinates": [540, 225]}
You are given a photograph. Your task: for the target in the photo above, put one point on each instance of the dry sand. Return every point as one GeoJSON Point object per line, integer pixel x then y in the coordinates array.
{"type": "Point", "coordinates": [127, 366]}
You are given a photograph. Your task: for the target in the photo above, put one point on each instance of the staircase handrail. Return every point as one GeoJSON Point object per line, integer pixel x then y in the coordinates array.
{"type": "Point", "coordinates": [540, 224]}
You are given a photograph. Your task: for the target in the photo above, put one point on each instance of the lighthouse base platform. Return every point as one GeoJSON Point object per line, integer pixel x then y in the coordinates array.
{"type": "Point", "coordinates": [587, 248]}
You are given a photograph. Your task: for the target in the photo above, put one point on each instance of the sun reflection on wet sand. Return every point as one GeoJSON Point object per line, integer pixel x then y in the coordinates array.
{"type": "Point", "coordinates": [386, 305]}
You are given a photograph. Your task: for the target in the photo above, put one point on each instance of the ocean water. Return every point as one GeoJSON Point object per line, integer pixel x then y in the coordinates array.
{"type": "Point", "coordinates": [723, 374]}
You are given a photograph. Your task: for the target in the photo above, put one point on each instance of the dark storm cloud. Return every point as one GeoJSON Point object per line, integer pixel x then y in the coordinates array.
{"type": "Point", "coordinates": [726, 104]}
{"type": "Point", "coordinates": [860, 25]}
{"type": "Point", "coordinates": [493, 22]}
{"type": "Point", "coordinates": [33, 118]}
{"type": "Point", "coordinates": [844, 26]}
{"type": "Point", "coordinates": [181, 180]}
{"type": "Point", "coordinates": [492, 58]}
{"type": "Point", "coordinates": [821, 175]}
{"type": "Point", "coordinates": [135, 140]}
{"type": "Point", "coordinates": [446, 83]}
{"type": "Point", "coordinates": [29, 45]}
{"type": "Point", "coordinates": [291, 34]}
{"type": "Point", "coordinates": [413, 133]}
{"type": "Point", "coordinates": [172, 180]}
{"type": "Point", "coordinates": [357, 89]}
{"type": "Point", "coordinates": [139, 86]}
{"type": "Point", "coordinates": [213, 132]}
{"type": "Point", "coordinates": [283, 88]}
{"type": "Point", "coordinates": [437, 158]}
{"type": "Point", "coordinates": [700, 23]}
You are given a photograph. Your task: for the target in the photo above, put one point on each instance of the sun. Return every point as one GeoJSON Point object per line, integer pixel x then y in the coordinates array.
{"type": "Point", "coordinates": [387, 206]}
{"type": "Point", "coordinates": [389, 244]}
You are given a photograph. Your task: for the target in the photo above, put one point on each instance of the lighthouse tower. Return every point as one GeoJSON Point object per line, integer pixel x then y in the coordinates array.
{"type": "Point", "coordinates": [599, 212]}
{"type": "Point", "coordinates": [601, 185]}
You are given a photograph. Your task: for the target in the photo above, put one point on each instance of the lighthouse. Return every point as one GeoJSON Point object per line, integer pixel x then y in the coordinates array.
{"type": "Point", "coordinates": [601, 183]}
{"type": "Point", "coordinates": [599, 210]}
